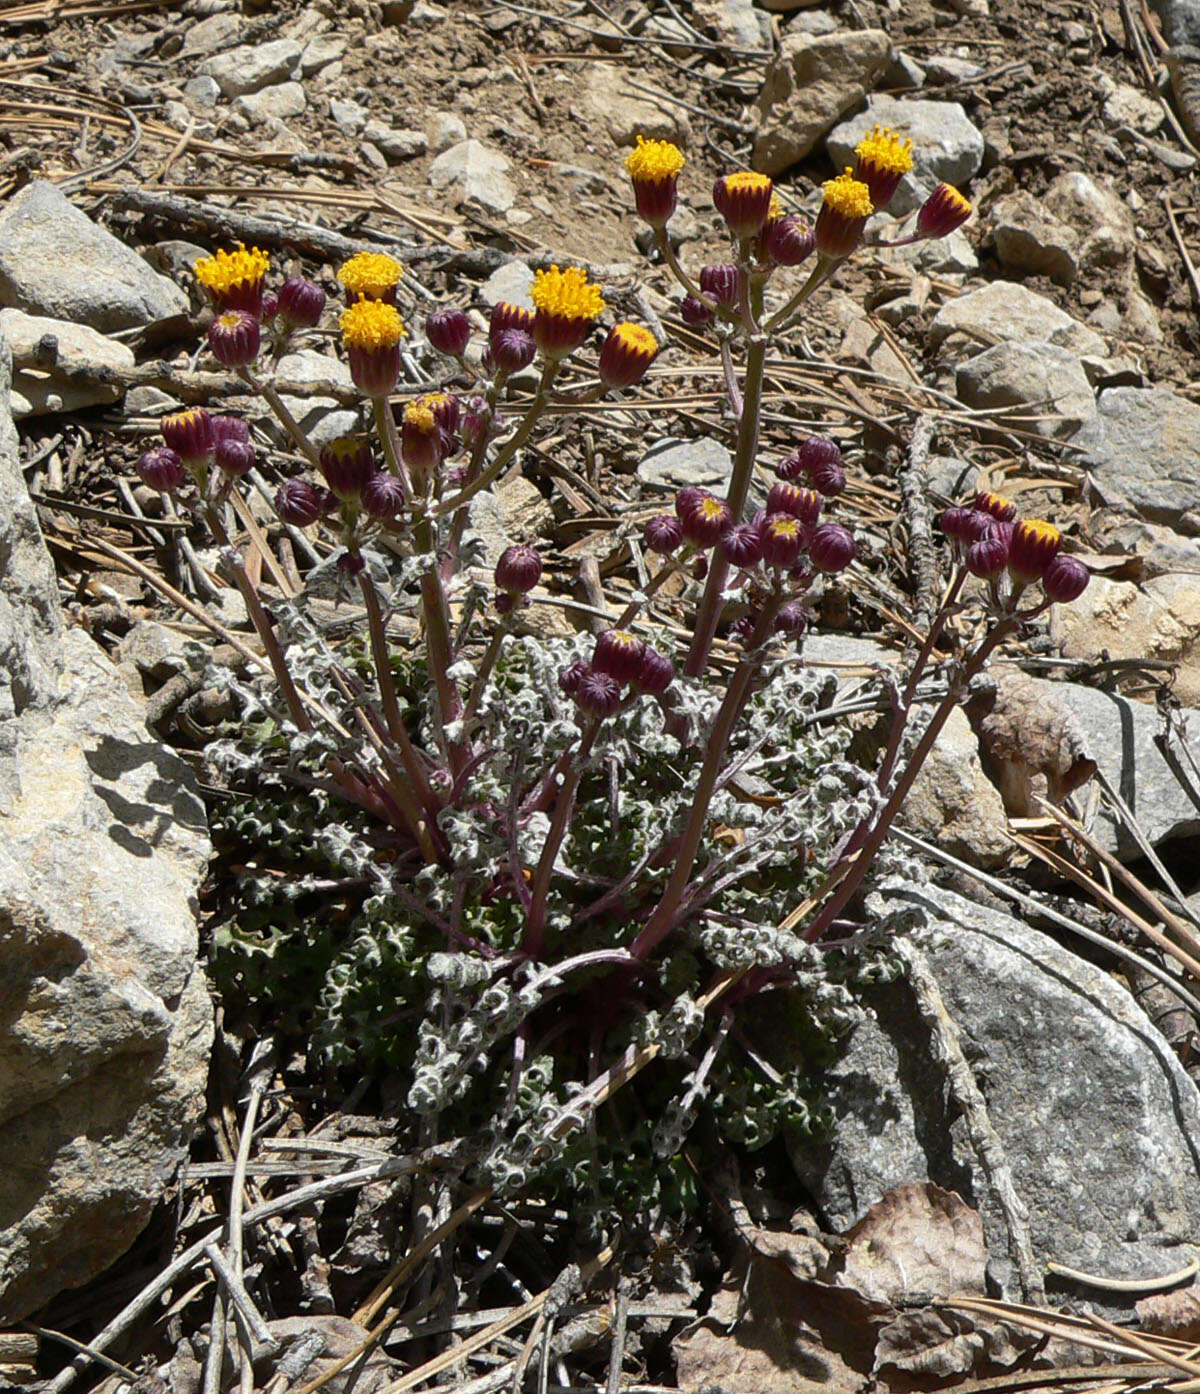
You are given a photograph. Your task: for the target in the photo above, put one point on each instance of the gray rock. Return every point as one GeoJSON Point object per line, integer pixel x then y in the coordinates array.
{"type": "Point", "coordinates": [950, 258]}
{"type": "Point", "coordinates": [446, 128]}
{"type": "Point", "coordinates": [499, 517]}
{"type": "Point", "coordinates": [1007, 311]}
{"type": "Point", "coordinates": [216, 32]}
{"type": "Point", "coordinates": [1028, 237]}
{"type": "Point", "coordinates": [737, 23]}
{"type": "Point", "coordinates": [945, 67]}
{"type": "Point", "coordinates": [150, 401]}
{"type": "Point", "coordinates": [1129, 106]}
{"type": "Point", "coordinates": [511, 282]}
{"type": "Point", "coordinates": [1143, 449]}
{"type": "Point", "coordinates": [320, 51]}
{"type": "Point", "coordinates": [946, 146]}
{"type": "Point", "coordinates": [322, 418]}
{"type": "Point", "coordinates": [675, 463]}
{"type": "Point", "coordinates": [809, 85]}
{"type": "Point", "coordinates": [55, 261]}
{"type": "Point", "coordinates": [1101, 222]}
{"type": "Point", "coordinates": [952, 480]}
{"type": "Point", "coordinates": [604, 98]}
{"type": "Point", "coordinates": [277, 103]}
{"type": "Point", "coordinates": [201, 94]}
{"type": "Point", "coordinates": [59, 366]}
{"type": "Point", "coordinates": [347, 115]}
{"type": "Point", "coordinates": [477, 174]}
{"type": "Point", "coordinates": [106, 1027]}
{"type": "Point", "coordinates": [904, 71]}
{"type": "Point", "coordinates": [240, 71]}
{"type": "Point", "coordinates": [1158, 618]}
{"type": "Point", "coordinates": [813, 22]}
{"type": "Point", "coordinates": [953, 803]}
{"type": "Point", "coordinates": [1097, 1118]}
{"type": "Point", "coordinates": [395, 145]}
{"type": "Point", "coordinates": [1048, 380]}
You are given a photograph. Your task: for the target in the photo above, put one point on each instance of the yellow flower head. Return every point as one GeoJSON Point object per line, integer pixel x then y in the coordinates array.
{"type": "Point", "coordinates": [370, 325]}
{"type": "Point", "coordinates": [944, 210]}
{"type": "Point", "coordinates": [371, 276]}
{"type": "Point", "coordinates": [886, 150]}
{"type": "Point", "coordinates": [884, 158]}
{"type": "Point", "coordinates": [847, 196]}
{"type": "Point", "coordinates": [652, 161]}
{"type": "Point", "coordinates": [627, 353]}
{"type": "Point", "coordinates": [844, 212]}
{"type": "Point", "coordinates": [419, 416]}
{"type": "Point", "coordinates": [234, 280]}
{"type": "Point", "coordinates": [1033, 546]}
{"type": "Point", "coordinates": [743, 199]}
{"type": "Point", "coordinates": [567, 304]}
{"type": "Point", "coordinates": [567, 293]}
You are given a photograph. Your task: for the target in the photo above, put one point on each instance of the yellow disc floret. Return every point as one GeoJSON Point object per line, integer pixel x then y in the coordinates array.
{"type": "Point", "coordinates": [847, 196]}
{"type": "Point", "coordinates": [886, 150]}
{"type": "Point", "coordinates": [566, 294]}
{"type": "Point", "coordinates": [419, 415]}
{"type": "Point", "coordinates": [654, 160]}
{"type": "Point", "coordinates": [228, 271]}
{"type": "Point", "coordinates": [371, 325]}
{"type": "Point", "coordinates": [635, 338]}
{"type": "Point", "coordinates": [746, 181]}
{"type": "Point", "coordinates": [371, 275]}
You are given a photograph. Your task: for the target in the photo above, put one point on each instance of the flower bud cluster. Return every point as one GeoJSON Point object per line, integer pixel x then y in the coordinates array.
{"type": "Point", "coordinates": [197, 447]}
{"type": "Point", "coordinates": [1012, 553]}
{"type": "Point", "coordinates": [620, 660]}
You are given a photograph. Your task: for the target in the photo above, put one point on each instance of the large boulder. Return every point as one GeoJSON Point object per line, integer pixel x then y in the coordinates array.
{"type": "Point", "coordinates": [55, 261]}
{"type": "Point", "coordinates": [1099, 1122]}
{"type": "Point", "coordinates": [105, 1020]}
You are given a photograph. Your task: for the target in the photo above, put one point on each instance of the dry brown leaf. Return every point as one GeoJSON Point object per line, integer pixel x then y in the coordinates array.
{"type": "Point", "coordinates": [917, 1242]}
{"type": "Point", "coordinates": [932, 1343]}
{"type": "Point", "coordinates": [755, 1340]}
{"type": "Point", "coordinates": [1172, 1313]}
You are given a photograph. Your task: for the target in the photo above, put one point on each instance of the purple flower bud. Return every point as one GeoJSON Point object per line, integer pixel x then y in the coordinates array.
{"type": "Point", "coordinates": [350, 563]}
{"type": "Point", "coordinates": [346, 464]}
{"type": "Point", "coordinates": [382, 496]}
{"type": "Point", "coordinates": [519, 569]}
{"type": "Point", "coordinates": [235, 457]}
{"type": "Point", "coordinates": [782, 539]}
{"type": "Point", "coordinates": [827, 479]}
{"type": "Point", "coordinates": [512, 350]}
{"type": "Point", "coordinates": [299, 503]}
{"type": "Point", "coordinates": [804, 504]}
{"type": "Point", "coordinates": [789, 241]}
{"type": "Point", "coordinates": [619, 654]}
{"type": "Point", "coordinates": [723, 284]}
{"type": "Point", "coordinates": [988, 556]}
{"type": "Point", "coordinates": [235, 338]}
{"type": "Point", "coordinates": [996, 506]}
{"type": "Point", "coordinates": [655, 672]}
{"type": "Point", "coordinates": [190, 435]}
{"type": "Point", "coordinates": [230, 428]}
{"type": "Point", "coordinates": [693, 311]}
{"type": "Point", "coordinates": [664, 534]}
{"type": "Point", "coordinates": [689, 498]}
{"type": "Point", "coordinates": [705, 520]}
{"type": "Point", "coordinates": [1066, 579]}
{"type": "Point", "coordinates": [742, 545]}
{"type": "Point", "coordinates": [817, 453]}
{"type": "Point", "coordinates": [831, 547]}
{"type": "Point", "coordinates": [506, 315]}
{"type": "Point", "coordinates": [270, 307]}
{"type": "Point", "coordinates": [471, 422]}
{"type": "Point", "coordinates": [301, 303]}
{"type": "Point", "coordinates": [598, 694]}
{"type": "Point", "coordinates": [448, 331]}
{"type": "Point", "coordinates": [570, 676]}
{"type": "Point", "coordinates": [791, 619]}
{"type": "Point", "coordinates": [162, 469]}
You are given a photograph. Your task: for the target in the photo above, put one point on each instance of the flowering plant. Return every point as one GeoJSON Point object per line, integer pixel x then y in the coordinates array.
{"type": "Point", "coordinates": [553, 857]}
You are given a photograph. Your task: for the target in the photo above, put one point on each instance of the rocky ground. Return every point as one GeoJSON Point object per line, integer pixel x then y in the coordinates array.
{"type": "Point", "coordinates": [1048, 351]}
